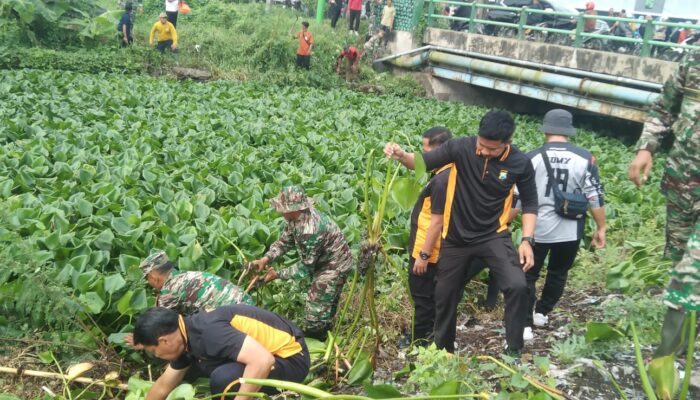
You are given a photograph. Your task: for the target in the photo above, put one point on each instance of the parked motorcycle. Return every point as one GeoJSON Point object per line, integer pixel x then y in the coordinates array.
{"type": "Point", "coordinates": [677, 53]}
{"type": "Point", "coordinates": [601, 28]}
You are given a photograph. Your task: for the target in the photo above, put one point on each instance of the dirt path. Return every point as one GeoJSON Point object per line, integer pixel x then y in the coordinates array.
{"type": "Point", "coordinates": [482, 333]}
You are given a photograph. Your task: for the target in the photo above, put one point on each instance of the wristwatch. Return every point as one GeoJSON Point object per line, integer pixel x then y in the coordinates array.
{"type": "Point", "coordinates": [423, 255]}
{"type": "Point", "coordinates": [528, 239]}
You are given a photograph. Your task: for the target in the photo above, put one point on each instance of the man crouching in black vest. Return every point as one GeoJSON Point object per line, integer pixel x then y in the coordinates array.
{"type": "Point", "coordinates": [226, 344]}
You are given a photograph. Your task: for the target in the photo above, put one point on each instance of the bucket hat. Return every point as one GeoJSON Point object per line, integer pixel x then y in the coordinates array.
{"type": "Point", "coordinates": [155, 260]}
{"type": "Point", "coordinates": [558, 122]}
{"type": "Point", "coordinates": [290, 199]}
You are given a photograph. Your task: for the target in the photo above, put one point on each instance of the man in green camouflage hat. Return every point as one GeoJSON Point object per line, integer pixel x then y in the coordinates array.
{"type": "Point", "coordinates": [677, 113]}
{"type": "Point", "coordinates": [191, 291]}
{"type": "Point", "coordinates": [323, 252]}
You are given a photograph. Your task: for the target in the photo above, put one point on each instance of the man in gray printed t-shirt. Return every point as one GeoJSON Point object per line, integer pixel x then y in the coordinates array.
{"type": "Point", "coordinates": [574, 170]}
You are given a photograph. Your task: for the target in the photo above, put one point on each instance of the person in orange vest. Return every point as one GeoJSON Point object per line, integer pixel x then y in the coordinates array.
{"type": "Point", "coordinates": [306, 44]}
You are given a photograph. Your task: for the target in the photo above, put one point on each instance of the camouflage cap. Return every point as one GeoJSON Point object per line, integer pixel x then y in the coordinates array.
{"type": "Point", "coordinates": [290, 199]}
{"type": "Point", "coordinates": [155, 260]}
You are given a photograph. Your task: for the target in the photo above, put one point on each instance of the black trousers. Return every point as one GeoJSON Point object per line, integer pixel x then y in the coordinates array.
{"type": "Point", "coordinates": [561, 258]}
{"type": "Point", "coordinates": [224, 378]}
{"type": "Point", "coordinates": [303, 61]}
{"type": "Point", "coordinates": [422, 289]}
{"type": "Point", "coordinates": [130, 41]}
{"type": "Point", "coordinates": [502, 259]}
{"type": "Point", "coordinates": [172, 17]}
{"type": "Point", "coordinates": [335, 14]}
{"type": "Point", "coordinates": [165, 45]}
{"type": "Point", "coordinates": [354, 20]}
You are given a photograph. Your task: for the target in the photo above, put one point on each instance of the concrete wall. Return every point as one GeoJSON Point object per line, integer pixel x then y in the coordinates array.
{"type": "Point", "coordinates": [402, 42]}
{"type": "Point", "coordinates": [645, 69]}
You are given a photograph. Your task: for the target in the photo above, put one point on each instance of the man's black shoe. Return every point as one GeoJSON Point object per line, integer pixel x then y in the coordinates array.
{"type": "Point", "coordinates": [318, 335]}
{"type": "Point", "coordinates": [512, 354]}
{"type": "Point", "coordinates": [405, 340]}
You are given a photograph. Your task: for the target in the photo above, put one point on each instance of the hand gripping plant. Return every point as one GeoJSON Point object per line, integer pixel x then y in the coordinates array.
{"type": "Point", "coordinates": [350, 343]}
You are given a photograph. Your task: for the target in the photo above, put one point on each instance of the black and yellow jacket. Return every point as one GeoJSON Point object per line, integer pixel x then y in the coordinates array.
{"type": "Point", "coordinates": [480, 194]}
{"type": "Point", "coordinates": [430, 201]}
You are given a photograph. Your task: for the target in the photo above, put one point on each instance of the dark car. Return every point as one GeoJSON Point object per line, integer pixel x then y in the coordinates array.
{"type": "Point", "coordinates": [559, 22]}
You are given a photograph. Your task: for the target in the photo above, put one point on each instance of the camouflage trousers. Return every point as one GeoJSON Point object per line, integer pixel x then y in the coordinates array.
{"type": "Point", "coordinates": [683, 245]}
{"type": "Point", "coordinates": [324, 295]}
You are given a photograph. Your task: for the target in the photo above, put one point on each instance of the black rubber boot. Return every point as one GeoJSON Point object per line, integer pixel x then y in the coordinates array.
{"type": "Point", "coordinates": [320, 335]}
{"type": "Point", "coordinates": [674, 333]}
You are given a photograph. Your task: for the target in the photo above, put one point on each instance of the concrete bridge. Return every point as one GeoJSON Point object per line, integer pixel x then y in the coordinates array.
{"type": "Point", "coordinates": [482, 69]}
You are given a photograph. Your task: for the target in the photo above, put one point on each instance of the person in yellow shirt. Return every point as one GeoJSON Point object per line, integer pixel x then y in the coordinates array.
{"type": "Point", "coordinates": [167, 35]}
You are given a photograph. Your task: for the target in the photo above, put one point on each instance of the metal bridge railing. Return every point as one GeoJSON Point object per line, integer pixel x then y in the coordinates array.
{"type": "Point", "coordinates": [575, 37]}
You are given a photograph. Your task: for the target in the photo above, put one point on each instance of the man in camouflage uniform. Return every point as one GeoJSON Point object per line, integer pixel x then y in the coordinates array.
{"type": "Point", "coordinates": [323, 253]}
{"type": "Point", "coordinates": [188, 292]}
{"type": "Point", "coordinates": [677, 112]}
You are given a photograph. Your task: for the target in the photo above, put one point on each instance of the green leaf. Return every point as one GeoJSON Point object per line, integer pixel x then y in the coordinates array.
{"type": "Point", "coordinates": [79, 262]}
{"type": "Point", "coordinates": [542, 364]}
{"type": "Point", "coordinates": [184, 209]}
{"type": "Point", "coordinates": [195, 251]}
{"type": "Point", "coordinates": [382, 391]}
{"type": "Point", "coordinates": [124, 304]}
{"type": "Point", "coordinates": [117, 338]}
{"type": "Point", "coordinates": [4, 396]}
{"type": "Point", "coordinates": [405, 192]}
{"type": "Point", "coordinates": [215, 264]}
{"type": "Point", "coordinates": [138, 300]}
{"type": "Point", "coordinates": [86, 281]}
{"type": "Point", "coordinates": [120, 225]}
{"type": "Point", "coordinates": [665, 376]}
{"type": "Point", "coordinates": [126, 262]}
{"type": "Point", "coordinates": [46, 357]}
{"type": "Point", "coordinates": [617, 282]}
{"type": "Point", "coordinates": [103, 241]}
{"type": "Point", "coordinates": [136, 384]}
{"type": "Point", "coordinates": [113, 283]}
{"type": "Point", "coordinates": [51, 242]}
{"type": "Point", "coordinates": [601, 331]}
{"type": "Point", "coordinates": [518, 381]}
{"type": "Point", "coordinates": [446, 388]}
{"type": "Point", "coordinates": [420, 167]}
{"type": "Point", "coordinates": [360, 371]}
{"type": "Point", "coordinates": [92, 302]}
{"type": "Point", "coordinates": [149, 176]}
{"type": "Point", "coordinates": [315, 346]}
{"type": "Point", "coordinates": [201, 211]}
{"type": "Point", "coordinates": [182, 392]}
{"type": "Point", "coordinates": [166, 194]}
{"type": "Point", "coordinates": [84, 207]}
{"type": "Point", "coordinates": [25, 10]}
{"type": "Point", "coordinates": [405, 371]}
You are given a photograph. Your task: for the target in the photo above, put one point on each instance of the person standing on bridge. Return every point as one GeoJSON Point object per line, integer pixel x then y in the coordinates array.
{"type": "Point", "coordinates": [355, 7]}
{"type": "Point", "coordinates": [336, 7]}
{"type": "Point", "coordinates": [676, 113]}
{"type": "Point", "coordinates": [589, 24]}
